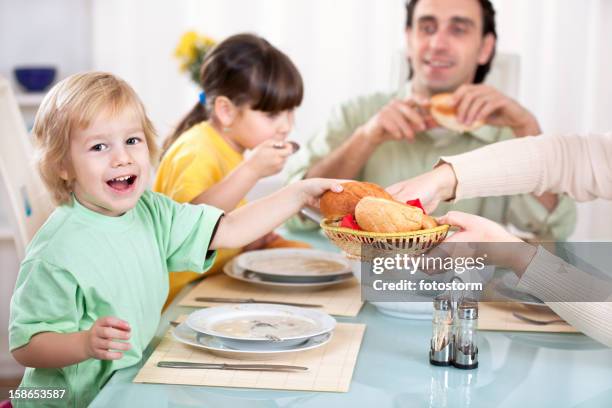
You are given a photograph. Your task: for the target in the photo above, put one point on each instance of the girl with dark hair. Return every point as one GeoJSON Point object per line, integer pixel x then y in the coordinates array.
{"type": "Point", "coordinates": [250, 89]}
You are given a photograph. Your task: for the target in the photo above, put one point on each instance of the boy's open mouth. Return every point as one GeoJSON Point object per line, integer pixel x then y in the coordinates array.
{"type": "Point", "coordinates": [121, 183]}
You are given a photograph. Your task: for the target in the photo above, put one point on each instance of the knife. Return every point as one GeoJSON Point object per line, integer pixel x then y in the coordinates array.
{"type": "Point", "coordinates": [222, 366]}
{"type": "Point", "coordinates": [234, 300]}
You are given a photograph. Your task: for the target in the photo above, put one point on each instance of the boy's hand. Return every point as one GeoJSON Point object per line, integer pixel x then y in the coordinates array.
{"type": "Point", "coordinates": [310, 190]}
{"type": "Point", "coordinates": [103, 336]}
{"type": "Point", "coordinates": [269, 157]}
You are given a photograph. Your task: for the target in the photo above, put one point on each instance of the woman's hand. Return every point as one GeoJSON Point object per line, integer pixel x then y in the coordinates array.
{"type": "Point", "coordinates": [480, 237]}
{"type": "Point", "coordinates": [430, 188]}
{"type": "Point", "coordinates": [103, 336]}
{"type": "Point", "coordinates": [473, 228]}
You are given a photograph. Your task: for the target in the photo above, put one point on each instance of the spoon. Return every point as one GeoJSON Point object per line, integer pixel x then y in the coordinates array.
{"type": "Point", "coordinates": [281, 145]}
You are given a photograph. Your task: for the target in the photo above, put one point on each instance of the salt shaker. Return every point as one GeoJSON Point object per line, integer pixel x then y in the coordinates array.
{"type": "Point", "coordinates": [465, 352]}
{"type": "Point", "coordinates": [441, 347]}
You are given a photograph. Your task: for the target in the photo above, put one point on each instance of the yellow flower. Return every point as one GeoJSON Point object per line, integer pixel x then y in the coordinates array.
{"type": "Point", "coordinates": [191, 50]}
{"type": "Point", "coordinates": [187, 46]}
{"type": "Point", "coordinates": [207, 42]}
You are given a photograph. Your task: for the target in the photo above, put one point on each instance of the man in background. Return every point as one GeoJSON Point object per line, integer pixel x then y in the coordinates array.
{"type": "Point", "coordinates": [384, 138]}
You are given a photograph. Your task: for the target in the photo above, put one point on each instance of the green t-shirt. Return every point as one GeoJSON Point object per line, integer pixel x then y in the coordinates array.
{"type": "Point", "coordinates": [82, 266]}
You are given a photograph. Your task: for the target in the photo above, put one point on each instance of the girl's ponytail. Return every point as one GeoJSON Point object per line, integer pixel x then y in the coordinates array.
{"type": "Point", "coordinates": [196, 115]}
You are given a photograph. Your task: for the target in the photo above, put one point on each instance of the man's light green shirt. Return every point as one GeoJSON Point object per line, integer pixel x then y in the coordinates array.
{"type": "Point", "coordinates": [395, 161]}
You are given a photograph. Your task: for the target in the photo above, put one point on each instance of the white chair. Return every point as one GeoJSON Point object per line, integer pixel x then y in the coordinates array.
{"type": "Point", "coordinates": [29, 203]}
{"type": "Point", "coordinates": [505, 74]}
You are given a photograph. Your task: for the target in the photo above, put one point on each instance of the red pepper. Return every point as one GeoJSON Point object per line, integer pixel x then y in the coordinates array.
{"type": "Point", "coordinates": [348, 221]}
{"type": "Point", "coordinates": [416, 203]}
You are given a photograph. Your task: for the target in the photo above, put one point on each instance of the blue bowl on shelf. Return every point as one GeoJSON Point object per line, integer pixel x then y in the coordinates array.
{"type": "Point", "coordinates": [35, 79]}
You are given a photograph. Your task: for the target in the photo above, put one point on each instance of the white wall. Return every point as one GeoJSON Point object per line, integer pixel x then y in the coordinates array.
{"type": "Point", "coordinates": [565, 76]}
{"type": "Point", "coordinates": [566, 57]}
{"type": "Point", "coordinates": [341, 47]}
{"type": "Point", "coordinates": [55, 32]}
{"type": "Point", "coordinates": [35, 32]}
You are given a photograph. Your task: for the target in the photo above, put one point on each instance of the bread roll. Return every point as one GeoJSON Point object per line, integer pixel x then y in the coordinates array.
{"type": "Point", "coordinates": [337, 205]}
{"type": "Point", "coordinates": [381, 215]}
{"type": "Point", "coordinates": [445, 114]}
{"type": "Point", "coordinates": [428, 222]}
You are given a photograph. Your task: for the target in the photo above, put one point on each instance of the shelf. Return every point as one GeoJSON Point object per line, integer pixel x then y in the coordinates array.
{"type": "Point", "coordinates": [29, 100]}
{"type": "Point", "coordinates": [6, 233]}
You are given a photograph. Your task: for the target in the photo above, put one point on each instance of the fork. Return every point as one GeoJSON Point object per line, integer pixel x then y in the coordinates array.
{"type": "Point", "coordinates": [538, 322]}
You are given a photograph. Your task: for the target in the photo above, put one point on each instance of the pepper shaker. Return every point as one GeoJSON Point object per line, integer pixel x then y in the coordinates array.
{"type": "Point", "coordinates": [441, 347]}
{"type": "Point", "coordinates": [465, 351]}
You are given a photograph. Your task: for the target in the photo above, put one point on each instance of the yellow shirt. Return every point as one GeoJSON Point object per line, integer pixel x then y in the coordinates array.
{"type": "Point", "coordinates": [198, 159]}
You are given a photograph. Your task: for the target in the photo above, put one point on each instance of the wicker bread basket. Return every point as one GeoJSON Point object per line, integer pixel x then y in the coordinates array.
{"type": "Point", "coordinates": [412, 243]}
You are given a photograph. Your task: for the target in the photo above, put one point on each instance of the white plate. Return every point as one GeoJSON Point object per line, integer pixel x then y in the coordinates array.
{"type": "Point", "coordinates": [419, 309]}
{"type": "Point", "coordinates": [406, 310]}
{"type": "Point", "coordinates": [294, 262]}
{"type": "Point", "coordinates": [184, 334]}
{"type": "Point", "coordinates": [420, 306]}
{"type": "Point", "coordinates": [234, 271]}
{"type": "Point", "coordinates": [240, 326]}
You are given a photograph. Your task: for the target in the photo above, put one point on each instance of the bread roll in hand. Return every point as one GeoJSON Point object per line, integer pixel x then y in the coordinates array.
{"type": "Point", "coordinates": [337, 205]}
{"type": "Point", "coordinates": [381, 215]}
{"type": "Point", "coordinates": [444, 112]}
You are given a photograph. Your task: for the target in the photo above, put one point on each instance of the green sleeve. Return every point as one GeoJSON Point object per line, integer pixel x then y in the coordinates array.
{"type": "Point", "coordinates": [343, 122]}
{"type": "Point", "coordinates": [528, 214]}
{"type": "Point", "coordinates": [46, 299]}
{"type": "Point", "coordinates": [185, 233]}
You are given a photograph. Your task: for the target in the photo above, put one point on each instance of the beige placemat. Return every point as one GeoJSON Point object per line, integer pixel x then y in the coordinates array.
{"type": "Point", "coordinates": [343, 299]}
{"type": "Point", "coordinates": [498, 316]}
{"type": "Point", "coordinates": [330, 367]}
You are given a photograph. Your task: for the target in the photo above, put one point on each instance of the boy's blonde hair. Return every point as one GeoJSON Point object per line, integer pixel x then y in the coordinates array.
{"type": "Point", "coordinates": [72, 104]}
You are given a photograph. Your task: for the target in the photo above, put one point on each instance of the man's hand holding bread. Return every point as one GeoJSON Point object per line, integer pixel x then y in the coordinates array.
{"type": "Point", "coordinates": [465, 110]}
